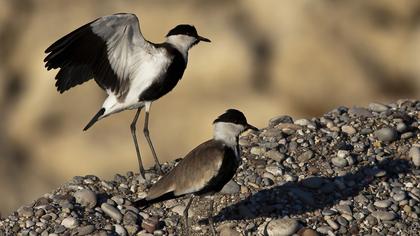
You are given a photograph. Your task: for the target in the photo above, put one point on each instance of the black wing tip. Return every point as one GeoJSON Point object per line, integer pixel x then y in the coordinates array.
{"type": "Point", "coordinates": [94, 119]}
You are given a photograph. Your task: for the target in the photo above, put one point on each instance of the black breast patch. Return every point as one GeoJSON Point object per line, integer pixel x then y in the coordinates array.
{"type": "Point", "coordinates": [167, 81]}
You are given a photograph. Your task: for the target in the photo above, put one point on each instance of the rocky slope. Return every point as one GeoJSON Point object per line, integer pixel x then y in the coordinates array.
{"type": "Point", "coordinates": [351, 171]}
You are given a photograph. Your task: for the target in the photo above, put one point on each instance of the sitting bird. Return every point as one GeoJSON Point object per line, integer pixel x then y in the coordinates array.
{"type": "Point", "coordinates": [133, 71]}
{"type": "Point", "coordinates": [206, 169]}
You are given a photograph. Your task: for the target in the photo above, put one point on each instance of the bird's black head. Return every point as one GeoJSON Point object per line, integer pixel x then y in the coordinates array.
{"type": "Point", "coordinates": [235, 117]}
{"type": "Point", "coordinates": [188, 30]}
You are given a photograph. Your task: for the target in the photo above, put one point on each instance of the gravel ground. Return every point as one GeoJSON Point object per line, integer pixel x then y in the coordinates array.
{"type": "Point", "coordinates": [353, 171]}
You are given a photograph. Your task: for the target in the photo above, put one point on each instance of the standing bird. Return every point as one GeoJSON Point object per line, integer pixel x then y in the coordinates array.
{"type": "Point", "coordinates": [133, 71]}
{"type": "Point", "coordinates": [206, 169]}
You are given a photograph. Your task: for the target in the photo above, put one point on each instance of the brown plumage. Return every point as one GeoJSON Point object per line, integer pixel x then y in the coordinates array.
{"type": "Point", "coordinates": [206, 169]}
{"type": "Point", "coordinates": [197, 170]}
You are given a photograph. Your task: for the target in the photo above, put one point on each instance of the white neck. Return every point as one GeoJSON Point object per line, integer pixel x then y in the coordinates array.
{"type": "Point", "coordinates": [227, 133]}
{"type": "Point", "coordinates": [181, 42]}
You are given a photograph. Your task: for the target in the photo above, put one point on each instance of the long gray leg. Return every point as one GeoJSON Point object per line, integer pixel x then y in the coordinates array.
{"type": "Point", "coordinates": [133, 133]}
{"type": "Point", "coordinates": [187, 228]}
{"type": "Point", "coordinates": [211, 223]}
{"type": "Point", "coordinates": [147, 135]}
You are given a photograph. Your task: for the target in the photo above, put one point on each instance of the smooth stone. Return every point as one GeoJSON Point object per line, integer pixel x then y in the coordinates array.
{"type": "Point", "coordinates": [85, 230]}
{"type": "Point", "coordinates": [344, 209]}
{"type": "Point", "coordinates": [227, 229]}
{"type": "Point", "coordinates": [384, 215]}
{"type": "Point", "coordinates": [275, 155]}
{"type": "Point", "coordinates": [401, 127]}
{"type": "Point", "coordinates": [25, 211]}
{"type": "Point", "coordinates": [120, 230]}
{"type": "Point", "coordinates": [282, 227]}
{"type": "Point", "coordinates": [29, 223]}
{"type": "Point", "coordinates": [70, 222]}
{"type": "Point", "coordinates": [343, 153]}
{"type": "Point", "coordinates": [386, 134]}
{"type": "Point", "coordinates": [307, 232]}
{"type": "Point", "coordinates": [302, 122]}
{"type": "Point", "coordinates": [274, 170]}
{"type": "Point", "coordinates": [360, 112]}
{"type": "Point", "coordinates": [414, 154]}
{"type": "Point", "coordinates": [306, 156]}
{"type": "Point", "coordinates": [399, 196]}
{"type": "Point", "coordinates": [257, 150]}
{"type": "Point", "coordinates": [348, 129]}
{"type": "Point", "coordinates": [332, 224]}
{"type": "Point", "coordinates": [280, 119]}
{"type": "Point", "coordinates": [111, 211]}
{"type": "Point", "coordinates": [130, 218]}
{"type": "Point", "coordinates": [339, 162]}
{"type": "Point", "coordinates": [150, 224]}
{"type": "Point", "coordinates": [86, 198]}
{"type": "Point", "coordinates": [273, 132]}
{"type": "Point", "coordinates": [382, 203]}
{"type": "Point", "coordinates": [231, 188]}
{"type": "Point", "coordinates": [378, 107]}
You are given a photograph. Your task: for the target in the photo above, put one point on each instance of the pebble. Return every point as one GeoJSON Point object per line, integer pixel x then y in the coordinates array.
{"type": "Point", "coordinates": [257, 150]}
{"type": "Point", "coordinates": [307, 232]}
{"type": "Point", "coordinates": [274, 170]}
{"type": "Point", "coordinates": [231, 188]}
{"type": "Point", "coordinates": [332, 224]}
{"type": "Point", "coordinates": [86, 198]}
{"type": "Point", "coordinates": [339, 162]}
{"type": "Point", "coordinates": [275, 155]}
{"type": "Point", "coordinates": [25, 211]}
{"type": "Point", "coordinates": [120, 230]}
{"type": "Point", "coordinates": [150, 224]}
{"type": "Point", "coordinates": [85, 230]}
{"type": "Point", "coordinates": [282, 227]}
{"type": "Point", "coordinates": [280, 119]}
{"type": "Point", "coordinates": [384, 215]}
{"type": "Point", "coordinates": [227, 229]}
{"type": "Point", "coordinates": [348, 129]}
{"type": "Point", "coordinates": [306, 156]}
{"type": "Point", "coordinates": [70, 222]}
{"type": "Point", "coordinates": [111, 211]}
{"type": "Point", "coordinates": [378, 107]}
{"type": "Point", "coordinates": [382, 203]}
{"type": "Point", "coordinates": [399, 196]}
{"type": "Point", "coordinates": [386, 134]}
{"type": "Point", "coordinates": [376, 193]}
{"type": "Point", "coordinates": [360, 112]}
{"type": "Point", "coordinates": [414, 154]}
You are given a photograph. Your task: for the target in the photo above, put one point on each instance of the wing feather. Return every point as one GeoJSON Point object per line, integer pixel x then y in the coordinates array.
{"type": "Point", "coordinates": [193, 173]}
{"type": "Point", "coordinates": [105, 49]}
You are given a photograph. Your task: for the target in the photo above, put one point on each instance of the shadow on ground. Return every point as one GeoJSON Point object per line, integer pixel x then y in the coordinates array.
{"type": "Point", "coordinates": [311, 194]}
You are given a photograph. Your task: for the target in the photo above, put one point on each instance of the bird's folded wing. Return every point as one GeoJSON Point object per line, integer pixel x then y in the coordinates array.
{"type": "Point", "coordinates": [106, 49]}
{"type": "Point", "coordinates": [192, 173]}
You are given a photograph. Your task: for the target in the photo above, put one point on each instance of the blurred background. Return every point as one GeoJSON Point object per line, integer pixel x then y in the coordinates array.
{"type": "Point", "coordinates": [267, 58]}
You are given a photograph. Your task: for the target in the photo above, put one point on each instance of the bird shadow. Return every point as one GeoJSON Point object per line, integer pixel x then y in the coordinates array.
{"type": "Point", "coordinates": [313, 193]}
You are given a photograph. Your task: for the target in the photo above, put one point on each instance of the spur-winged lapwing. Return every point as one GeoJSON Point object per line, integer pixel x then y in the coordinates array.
{"type": "Point", "coordinates": [133, 71]}
{"type": "Point", "coordinates": [206, 169]}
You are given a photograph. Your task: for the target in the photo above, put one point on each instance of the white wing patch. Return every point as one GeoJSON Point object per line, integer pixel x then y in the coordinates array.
{"type": "Point", "coordinates": [126, 46]}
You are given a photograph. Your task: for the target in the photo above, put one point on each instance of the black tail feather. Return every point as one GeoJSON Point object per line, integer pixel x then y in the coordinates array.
{"type": "Point", "coordinates": [94, 119]}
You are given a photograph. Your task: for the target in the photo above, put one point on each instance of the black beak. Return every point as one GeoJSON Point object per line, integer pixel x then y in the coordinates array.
{"type": "Point", "coordinates": [251, 127]}
{"type": "Point", "coordinates": [200, 38]}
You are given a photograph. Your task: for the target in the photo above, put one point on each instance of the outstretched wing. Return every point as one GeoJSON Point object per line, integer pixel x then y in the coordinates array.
{"type": "Point", "coordinates": [105, 49]}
